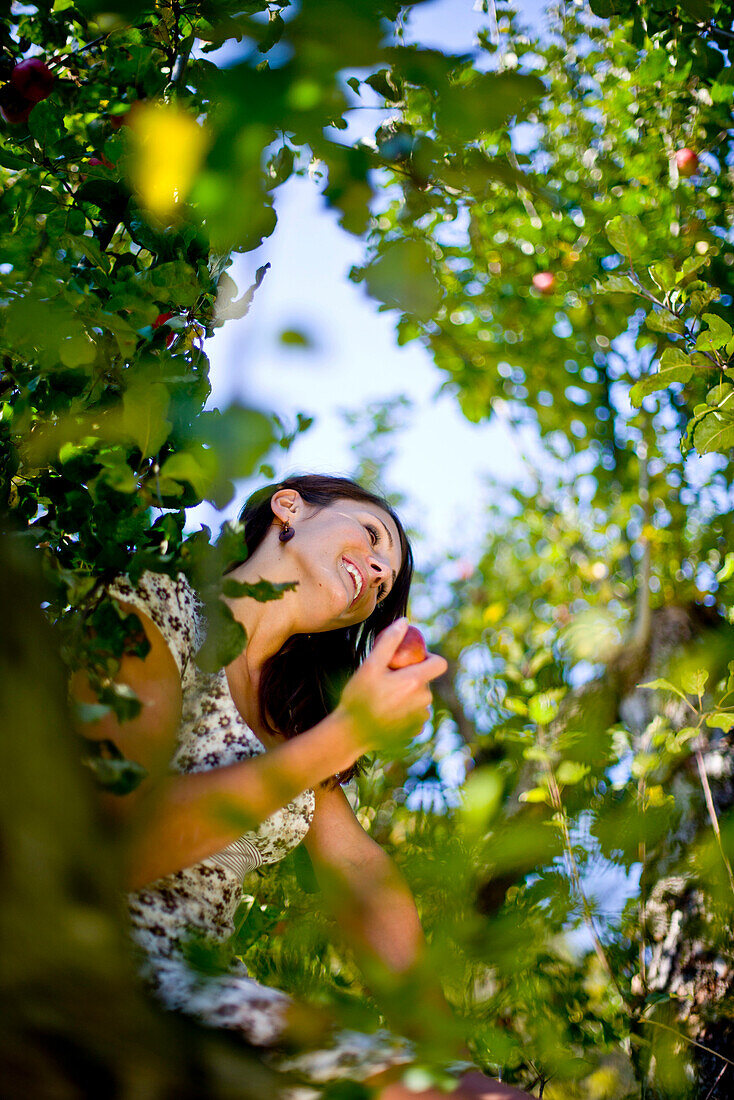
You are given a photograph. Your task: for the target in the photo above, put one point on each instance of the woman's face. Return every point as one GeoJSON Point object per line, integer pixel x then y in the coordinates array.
{"type": "Point", "coordinates": [347, 555]}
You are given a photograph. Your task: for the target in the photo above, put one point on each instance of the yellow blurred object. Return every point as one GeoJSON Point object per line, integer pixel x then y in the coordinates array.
{"type": "Point", "coordinates": [493, 613]}
{"type": "Point", "coordinates": [169, 145]}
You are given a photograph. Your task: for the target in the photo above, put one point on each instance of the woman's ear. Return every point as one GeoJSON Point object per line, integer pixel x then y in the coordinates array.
{"type": "Point", "coordinates": [287, 504]}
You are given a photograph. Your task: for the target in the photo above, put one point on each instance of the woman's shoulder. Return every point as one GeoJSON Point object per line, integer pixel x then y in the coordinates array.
{"type": "Point", "coordinates": [171, 603]}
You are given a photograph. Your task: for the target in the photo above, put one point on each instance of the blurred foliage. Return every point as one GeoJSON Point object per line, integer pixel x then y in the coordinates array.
{"type": "Point", "coordinates": [535, 216]}
{"type": "Point", "coordinates": [76, 1022]}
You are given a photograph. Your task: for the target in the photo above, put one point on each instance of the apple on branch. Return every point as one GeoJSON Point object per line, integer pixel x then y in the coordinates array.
{"type": "Point", "coordinates": [544, 281]}
{"type": "Point", "coordinates": [686, 161]}
{"type": "Point", "coordinates": [32, 79]}
{"type": "Point", "coordinates": [161, 320]}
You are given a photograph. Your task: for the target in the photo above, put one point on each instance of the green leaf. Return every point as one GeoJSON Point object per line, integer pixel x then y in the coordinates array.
{"type": "Point", "coordinates": [692, 264]}
{"type": "Point", "coordinates": [701, 11]}
{"type": "Point", "coordinates": [77, 351]}
{"type": "Point", "coordinates": [125, 336]}
{"type": "Point", "coordinates": [716, 335]}
{"type": "Point", "coordinates": [720, 721]}
{"type": "Point", "coordinates": [543, 708]}
{"type": "Point", "coordinates": [89, 247]}
{"type": "Point", "coordinates": [617, 284]}
{"type": "Point", "coordinates": [116, 776]}
{"type": "Point", "coordinates": [569, 772]}
{"type": "Point", "coordinates": [719, 395]}
{"type": "Point", "coordinates": [536, 794]}
{"type": "Point", "coordinates": [722, 90]}
{"type": "Point", "coordinates": [660, 685]}
{"type": "Point", "coordinates": [112, 771]}
{"type": "Point", "coordinates": [174, 283]}
{"type": "Point", "coordinates": [626, 235]}
{"type": "Point", "coordinates": [240, 438]}
{"type": "Point", "coordinates": [663, 274]}
{"type": "Point", "coordinates": [225, 637]}
{"type": "Point", "coordinates": [14, 163]}
{"type": "Point", "coordinates": [262, 591]}
{"type": "Point", "coordinates": [467, 109]}
{"type": "Point", "coordinates": [674, 366]}
{"type": "Point", "coordinates": [196, 466]}
{"type": "Point", "coordinates": [144, 416]}
{"type": "Point", "coordinates": [714, 433]}
{"type": "Point", "coordinates": [727, 570]}
{"type": "Point", "coordinates": [481, 797]}
{"type": "Point", "coordinates": [403, 278]}
{"type": "Point", "coordinates": [90, 712]}
{"type": "Point", "coordinates": [664, 321]}
{"type": "Point", "coordinates": [607, 9]}
{"type": "Point", "coordinates": [387, 84]}
{"type": "Point", "coordinates": [644, 763]}
{"type": "Point", "coordinates": [116, 473]}
{"type": "Point", "coordinates": [46, 123]}
{"type": "Point", "coordinates": [695, 681]}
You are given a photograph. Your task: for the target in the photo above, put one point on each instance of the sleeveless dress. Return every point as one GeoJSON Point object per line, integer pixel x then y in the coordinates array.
{"type": "Point", "coordinates": [201, 900]}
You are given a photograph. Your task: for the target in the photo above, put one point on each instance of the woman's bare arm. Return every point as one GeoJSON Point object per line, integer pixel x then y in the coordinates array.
{"type": "Point", "coordinates": [361, 883]}
{"type": "Point", "coordinates": [175, 821]}
{"type": "Point", "coordinates": [377, 913]}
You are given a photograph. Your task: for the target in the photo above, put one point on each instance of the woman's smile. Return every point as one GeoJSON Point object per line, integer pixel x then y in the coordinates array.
{"type": "Point", "coordinates": [356, 576]}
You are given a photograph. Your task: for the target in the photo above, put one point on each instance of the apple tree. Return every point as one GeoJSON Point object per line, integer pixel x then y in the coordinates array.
{"type": "Point", "coordinates": [571, 276]}
{"type": "Point", "coordinates": [142, 146]}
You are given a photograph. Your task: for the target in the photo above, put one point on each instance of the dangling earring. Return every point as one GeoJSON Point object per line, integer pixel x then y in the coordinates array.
{"type": "Point", "coordinates": [286, 532]}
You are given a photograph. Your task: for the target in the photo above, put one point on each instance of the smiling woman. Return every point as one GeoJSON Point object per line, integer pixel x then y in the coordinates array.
{"type": "Point", "coordinates": [244, 763]}
{"type": "Point", "coordinates": [349, 545]}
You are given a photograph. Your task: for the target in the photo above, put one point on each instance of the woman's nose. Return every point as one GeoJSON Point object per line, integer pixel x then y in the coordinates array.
{"type": "Point", "coordinates": [378, 569]}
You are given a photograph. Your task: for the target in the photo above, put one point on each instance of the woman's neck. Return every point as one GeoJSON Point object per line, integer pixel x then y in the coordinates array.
{"type": "Point", "coordinates": [268, 626]}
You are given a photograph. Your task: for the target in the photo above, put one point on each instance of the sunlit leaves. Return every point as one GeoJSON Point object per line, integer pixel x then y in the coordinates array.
{"type": "Point", "coordinates": [145, 407]}
{"type": "Point", "coordinates": [626, 235]}
{"type": "Point", "coordinates": [467, 109]}
{"type": "Point", "coordinates": [403, 277]}
{"type": "Point", "coordinates": [715, 335]}
{"type": "Point", "coordinates": [674, 366]}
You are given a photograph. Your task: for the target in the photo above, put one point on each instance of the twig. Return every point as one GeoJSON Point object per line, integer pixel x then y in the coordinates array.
{"type": "Point", "coordinates": [524, 194]}
{"type": "Point", "coordinates": [713, 818]}
{"type": "Point", "coordinates": [687, 1039]}
{"type": "Point", "coordinates": [576, 879]}
{"type": "Point", "coordinates": [711, 1091]}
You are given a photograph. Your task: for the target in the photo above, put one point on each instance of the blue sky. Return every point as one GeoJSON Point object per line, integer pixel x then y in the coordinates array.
{"type": "Point", "coordinates": [441, 460]}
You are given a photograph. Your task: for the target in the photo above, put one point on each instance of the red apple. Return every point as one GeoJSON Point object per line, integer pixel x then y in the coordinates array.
{"type": "Point", "coordinates": [544, 281]}
{"type": "Point", "coordinates": [161, 320]}
{"type": "Point", "coordinates": [411, 651]}
{"type": "Point", "coordinates": [687, 161]}
{"type": "Point", "coordinates": [14, 107]}
{"type": "Point", "coordinates": [33, 79]}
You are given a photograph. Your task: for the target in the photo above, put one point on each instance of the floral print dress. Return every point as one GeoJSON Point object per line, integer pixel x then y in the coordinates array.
{"type": "Point", "coordinates": [201, 900]}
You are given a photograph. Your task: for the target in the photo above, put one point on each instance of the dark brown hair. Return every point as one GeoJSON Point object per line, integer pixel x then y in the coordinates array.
{"type": "Point", "coordinates": [302, 682]}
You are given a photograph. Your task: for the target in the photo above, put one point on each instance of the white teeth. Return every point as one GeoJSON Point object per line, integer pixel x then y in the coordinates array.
{"type": "Point", "coordinates": [356, 577]}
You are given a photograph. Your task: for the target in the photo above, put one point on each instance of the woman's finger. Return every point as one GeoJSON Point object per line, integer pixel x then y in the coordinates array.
{"type": "Point", "coordinates": [387, 642]}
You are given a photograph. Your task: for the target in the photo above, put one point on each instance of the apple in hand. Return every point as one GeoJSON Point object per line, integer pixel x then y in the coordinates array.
{"type": "Point", "coordinates": [544, 281]}
{"type": "Point", "coordinates": [411, 651]}
{"type": "Point", "coordinates": [32, 79]}
{"type": "Point", "coordinates": [687, 161]}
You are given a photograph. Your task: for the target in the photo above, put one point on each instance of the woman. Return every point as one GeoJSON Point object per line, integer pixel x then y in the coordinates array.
{"type": "Point", "coordinates": [230, 787]}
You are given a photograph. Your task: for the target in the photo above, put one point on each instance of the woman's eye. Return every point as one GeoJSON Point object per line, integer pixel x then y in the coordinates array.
{"type": "Point", "coordinates": [373, 533]}
{"type": "Point", "coordinates": [381, 593]}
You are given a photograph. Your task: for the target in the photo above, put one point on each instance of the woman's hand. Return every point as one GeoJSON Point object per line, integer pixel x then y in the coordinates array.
{"type": "Point", "coordinates": [388, 705]}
